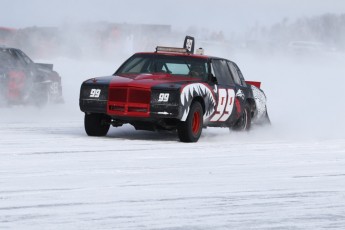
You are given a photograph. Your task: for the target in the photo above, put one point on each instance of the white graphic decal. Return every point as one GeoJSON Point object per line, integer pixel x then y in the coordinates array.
{"type": "Point", "coordinates": [229, 105]}
{"type": "Point", "coordinates": [95, 93]}
{"type": "Point", "coordinates": [240, 94]}
{"type": "Point", "coordinates": [197, 89]}
{"type": "Point", "coordinates": [54, 88]}
{"type": "Point", "coordinates": [260, 101]}
{"type": "Point", "coordinates": [215, 89]}
{"type": "Point", "coordinates": [189, 44]}
{"type": "Point", "coordinates": [225, 105]}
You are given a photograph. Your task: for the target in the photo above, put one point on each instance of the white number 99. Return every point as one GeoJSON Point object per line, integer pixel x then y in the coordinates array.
{"type": "Point", "coordinates": [163, 97]}
{"type": "Point", "coordinates": [95, 92]}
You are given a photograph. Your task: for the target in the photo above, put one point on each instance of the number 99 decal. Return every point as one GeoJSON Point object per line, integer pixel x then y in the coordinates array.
{"type": "Point", "coordinates": [225, 105]}
{"type": "Point", "coordinates": [163, 97]}
{"type": "Point", "coordinates": [95, 93]}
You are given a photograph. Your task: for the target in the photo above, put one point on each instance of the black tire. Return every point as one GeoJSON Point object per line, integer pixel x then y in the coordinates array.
{"type": "Point", "coordinates": [244, 122]}
{"type": "Point", "coordinates": [190, 130]}
{"type": "Point", "coordinates": [96, 124]}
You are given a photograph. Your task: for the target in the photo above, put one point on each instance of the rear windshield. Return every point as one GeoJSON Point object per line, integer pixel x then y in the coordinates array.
{"type": "Point", "coordinates": [174, 65]}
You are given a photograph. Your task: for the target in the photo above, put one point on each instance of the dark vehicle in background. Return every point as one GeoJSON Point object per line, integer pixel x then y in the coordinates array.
{"type": "Point", "coordinates": [24, 82]}
{"type": "Point", "coordinates": [173, 89]}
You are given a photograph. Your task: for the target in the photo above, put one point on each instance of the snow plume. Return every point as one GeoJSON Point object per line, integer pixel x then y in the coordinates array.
{"type": "Point", "coordinates": [191, 91]}
{"type": "Point", "coordinates": [260, 101]}
{"type": "Point", "coordinates": [299, 102]}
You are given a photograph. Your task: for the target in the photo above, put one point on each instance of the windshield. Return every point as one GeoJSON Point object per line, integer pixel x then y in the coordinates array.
{"type": "Point", "coordinates": [174, 65]}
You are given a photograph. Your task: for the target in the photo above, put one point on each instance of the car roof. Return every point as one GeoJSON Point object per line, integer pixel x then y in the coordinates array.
{"type": "Point", "coordinates": [7, 48]}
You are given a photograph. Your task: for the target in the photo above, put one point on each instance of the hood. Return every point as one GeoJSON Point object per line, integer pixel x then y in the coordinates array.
{"type": "Point", "coordinates": [144, 80]}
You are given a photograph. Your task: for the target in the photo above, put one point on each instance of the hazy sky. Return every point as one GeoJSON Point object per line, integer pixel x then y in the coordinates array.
{"type": "Point", "coordinates": [230, 15]}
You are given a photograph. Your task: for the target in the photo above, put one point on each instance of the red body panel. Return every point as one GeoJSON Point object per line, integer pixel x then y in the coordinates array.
{"type": "Point", "coordinates": [130, 95]}
{"type": "Point", "coordinates": [129, 101]}
{"type": "Point", "coordinates": [254, 83]}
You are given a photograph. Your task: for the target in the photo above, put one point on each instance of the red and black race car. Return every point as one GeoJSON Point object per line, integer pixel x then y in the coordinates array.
{"type": "Point", "coordinates": [173, 89]}
{"type": "Point", "coordinates": [24, 82]}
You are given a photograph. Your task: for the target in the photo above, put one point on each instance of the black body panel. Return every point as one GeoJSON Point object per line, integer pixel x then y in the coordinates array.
{"type": "Point", "coordinates": [94, 104]}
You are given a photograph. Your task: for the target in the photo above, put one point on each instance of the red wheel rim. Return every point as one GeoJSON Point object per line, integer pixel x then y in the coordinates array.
{"type": "Point", "coordinates": [196, 123]}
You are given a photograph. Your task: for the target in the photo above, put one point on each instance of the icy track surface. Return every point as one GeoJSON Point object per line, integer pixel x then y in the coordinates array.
{"type": "Point", "coordinates": [288, 176]}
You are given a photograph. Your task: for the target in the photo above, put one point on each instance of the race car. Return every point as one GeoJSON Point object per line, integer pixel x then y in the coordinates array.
{"type": "Point", "coordinates": [173, 89]}
{"type": "Point", "coordinates": [24, 82]}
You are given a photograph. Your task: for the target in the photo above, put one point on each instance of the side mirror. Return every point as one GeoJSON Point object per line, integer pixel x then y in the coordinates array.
{"type": "Point", "coordinates": [212, 79]}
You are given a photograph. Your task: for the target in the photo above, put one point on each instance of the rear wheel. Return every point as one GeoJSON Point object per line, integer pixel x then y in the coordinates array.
{"type": "Point", "coordinates": [190, 130]}
{"type": "Point", "coordinates": [244, 121]}
{"type": "Point", "coordinates": [96, 124]}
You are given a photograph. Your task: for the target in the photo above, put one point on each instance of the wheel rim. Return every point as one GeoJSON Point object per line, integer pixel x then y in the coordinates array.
{"type": "Point", "coordinates": [196, 123]}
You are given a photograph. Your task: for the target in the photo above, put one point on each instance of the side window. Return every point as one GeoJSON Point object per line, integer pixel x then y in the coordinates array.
{"type": "Point", "coordinates": [240, 75]}
{"type": "Point", "coordinates": [19, 58]}
{"type": "Point", "coordinates": [25, 57]}
{"type": "Point", "coordinates": [234, 72]}
{"type": "Point", "coordinates": [222, 72]}
{"type": "Point", "coordinates": [14, 58]}
{"type": "Point", "coordinates": [6, 58]}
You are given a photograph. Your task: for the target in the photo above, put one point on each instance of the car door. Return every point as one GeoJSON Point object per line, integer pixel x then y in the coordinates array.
{"type": "Point", "coordinates": [242, 92]}
{"type": "Point", "coordinates": [225, 90]}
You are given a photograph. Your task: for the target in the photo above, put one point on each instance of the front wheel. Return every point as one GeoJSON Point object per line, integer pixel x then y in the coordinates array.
{"type": "Point", "coordinates": [245, 119]}
{"type": "Point", "coordinates": [190, 130]}
{"type": "Point", "coordinates": [96, 124]}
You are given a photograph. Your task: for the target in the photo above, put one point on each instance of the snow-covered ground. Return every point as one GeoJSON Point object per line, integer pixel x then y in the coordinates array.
{"type": "Point", "coordinates": [287, 176]}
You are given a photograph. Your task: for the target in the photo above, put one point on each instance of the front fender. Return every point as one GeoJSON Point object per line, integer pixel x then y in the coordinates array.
{"type": "Point", "coordinates": [190, 92]}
